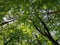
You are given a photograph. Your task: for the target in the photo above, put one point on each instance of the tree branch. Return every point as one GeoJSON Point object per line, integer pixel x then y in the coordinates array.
{"type": "Point", "coordinates": [38, 29]}
{"type": "Point", "coordinates": [44, 25]}
{"type": "Point", "coordinates": [53, 12]}
{"type": "Point", "coordinates": [38, 39]}
{"type": "Point", "coordinates": [8, 40]}
{"type": "Point", "coordinates": [48, 35]}
{"type": "Point", "coordinates": [7, 22]}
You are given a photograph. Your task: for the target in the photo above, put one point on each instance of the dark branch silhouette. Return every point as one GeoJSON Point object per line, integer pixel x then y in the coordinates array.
{"type": "Point", "coordinates": [7, 22]}
{"type": "Point", "coordinates": [39, 30]}
{"type": "Point", "coordinates": [53, 12]}
{"type": "Point", "coordinates": [11, 38]}
{"type": "Point", "coordinates": [44, 25]}
{"type": "Point", "coordinates": [8, 41]}
{"type": "Point", "coordinates": [47, 33]}
{"type": "Point", "coordinates": [39, 42]}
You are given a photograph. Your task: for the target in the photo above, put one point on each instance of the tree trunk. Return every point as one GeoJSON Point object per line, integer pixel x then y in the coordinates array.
{"type": "Point", "coordinates": [52, 40]}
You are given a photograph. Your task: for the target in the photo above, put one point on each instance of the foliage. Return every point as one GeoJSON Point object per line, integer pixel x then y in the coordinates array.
{"type": "Point", "coordinates": [33, 21]}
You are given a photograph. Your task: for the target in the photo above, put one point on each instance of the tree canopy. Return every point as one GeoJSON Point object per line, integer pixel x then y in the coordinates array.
{"type": "Point", "coordinates": [29, 22]}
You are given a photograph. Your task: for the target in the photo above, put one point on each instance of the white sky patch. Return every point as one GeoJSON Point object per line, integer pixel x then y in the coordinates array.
{"type": "Point", "coordinates": [59, 41]}
{"type": "Point", "coordinates": [53, 33]}
{"type": "Point", "coordinates": [45, 17]}
{"type": "Point", "coordinates": [10, 22]}
{"type": "Point", "coordinates": [42, 11]}
{"type": "Point", "coordinates": [4, 19]}
{"type": "Point", "coordinates": [58, 23]}
{"type": "Point", "coordinates": [22, 12]}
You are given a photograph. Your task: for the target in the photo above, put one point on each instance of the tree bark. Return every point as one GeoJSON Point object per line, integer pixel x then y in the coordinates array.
{"type": "Point", "coordinates": [47, 33]}
{"type": "Point", "coordinates": [52, 40]}
{"type": "Point", "coordinates": [39, 42]}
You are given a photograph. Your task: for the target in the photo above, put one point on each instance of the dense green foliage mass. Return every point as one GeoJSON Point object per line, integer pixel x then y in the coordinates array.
{"type": "Point", "coordinates": [29, 22]}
